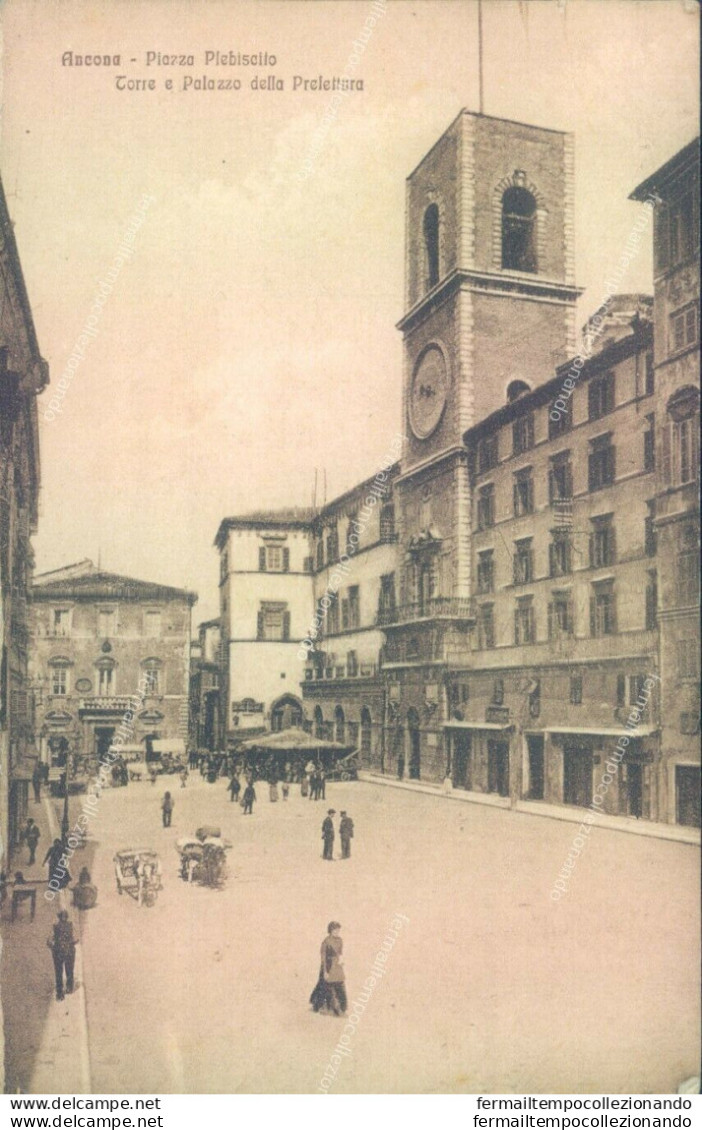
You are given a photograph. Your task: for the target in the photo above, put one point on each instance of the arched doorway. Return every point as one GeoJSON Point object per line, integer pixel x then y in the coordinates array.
{"type": "Point", "coordinates": [415, 745]}
{"type": "Point", "coordinates": [318, 722]}
{"type": "Point", "coordinates": [286, 712]}
{"type": "Point", "coordinates": [339, 725]}
{"type": "Point", "coordinates": [366, 735]}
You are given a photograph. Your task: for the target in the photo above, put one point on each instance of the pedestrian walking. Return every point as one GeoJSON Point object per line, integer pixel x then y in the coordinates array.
{"type": "Point", "coordinates": [167, 806]}
{"type": "Point", "coordinates": [328, 835]}
{"type": "Point", "coordinates": [304, 785]}
{"type": "Point", "coordinates": [37, 778]}
{"type": "Point", "coordinates": [63, 950]}
{"type": "Point", "coordinates": [53, 857]}
{"type": "Point", "coordinates": [400, 767]}
{"type": "Point", "coordinates": [249, 798]}
{"type": "Point", "coordinates": [329, 994]}
{"type": "Point", "coordinates": [345, 835]}
{"type": "Point", "coordinates": [285, 789]}
{"type": "Point", "coordinates": [234, 788]}
{"type": "Point", "coordinates": [30, 835]}
{"type": "Point", "coordinates": [322, 784]}
{"type": "Point", "coordinates": [273, 791]}
{"type": "Point", "coordinates": [183, 777]}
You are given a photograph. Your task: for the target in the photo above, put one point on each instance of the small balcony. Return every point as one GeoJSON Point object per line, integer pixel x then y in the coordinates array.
{"type": "Point", "coordinates": [434, 608]}
{"type": "Point", "coordinates": [105, 704]}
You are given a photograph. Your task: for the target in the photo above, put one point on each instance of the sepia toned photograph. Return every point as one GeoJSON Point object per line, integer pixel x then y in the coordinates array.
{"type": "Point", "coordinates": [349, 438]}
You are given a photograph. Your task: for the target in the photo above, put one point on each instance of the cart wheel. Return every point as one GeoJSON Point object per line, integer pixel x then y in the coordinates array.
{"type": "Point", "coordinates": [345, 776]}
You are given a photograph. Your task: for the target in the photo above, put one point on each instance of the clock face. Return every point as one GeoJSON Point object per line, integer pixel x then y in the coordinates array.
{"type": "Point", "coordinates": [428, 393]}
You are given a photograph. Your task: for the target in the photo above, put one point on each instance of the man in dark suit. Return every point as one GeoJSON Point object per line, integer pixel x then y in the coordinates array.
{"type": "Point", "coordinates": [346, 835]}
{"type": "Point", "coordinates": [328, 835]}
{"type": "Point", "coordinates": [63, 950]}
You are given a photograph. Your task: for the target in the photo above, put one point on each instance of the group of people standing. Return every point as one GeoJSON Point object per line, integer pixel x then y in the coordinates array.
{"type": "Point", "coordinates": [345, 835]}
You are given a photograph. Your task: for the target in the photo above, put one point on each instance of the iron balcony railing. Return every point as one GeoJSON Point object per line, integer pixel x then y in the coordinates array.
{"type": "Point", "coordinates": [436, 607]}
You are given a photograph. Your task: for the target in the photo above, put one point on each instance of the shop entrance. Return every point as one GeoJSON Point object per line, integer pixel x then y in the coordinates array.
{"type": "Point", "coordinates": [462, 750]}
{"type": "Point", "coordinates": [634, 788]}
{"type": "Point", "coordinates": [498, 767]}
{"type": "Point", "coordinates": [577, 774]}
{"type": "Point", "coordinates": [415, 744]}
{"type": "Point", "coordinates": [687, 795]}
{"type": "Point", "coordinates": [535, 747]}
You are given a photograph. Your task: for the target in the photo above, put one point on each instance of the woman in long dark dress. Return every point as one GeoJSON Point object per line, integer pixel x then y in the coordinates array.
{"type": "Point", "coordinates": [329, 994]}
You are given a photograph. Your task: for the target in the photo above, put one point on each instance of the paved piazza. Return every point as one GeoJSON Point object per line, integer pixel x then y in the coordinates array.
{"type": "Point", "coordinates": [491, 987]}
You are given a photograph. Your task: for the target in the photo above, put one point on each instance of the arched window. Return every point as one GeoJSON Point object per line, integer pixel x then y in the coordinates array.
{"type": "Point", "coordinates": [339, 725]}
{"type": "Point", "coordinates": [366, 732]}
{"type": "Point", "coordinates": [318, 722]}
{"type": "Point", "coordinates": [431, 244]}
{"type": "Point", "coordinates": [518, 230]}
{"type": "Point", "coordinates": [286, 712]}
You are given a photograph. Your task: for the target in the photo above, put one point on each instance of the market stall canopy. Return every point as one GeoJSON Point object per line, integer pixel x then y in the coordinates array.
{"type": "Point", "coordinates": [293, 740]}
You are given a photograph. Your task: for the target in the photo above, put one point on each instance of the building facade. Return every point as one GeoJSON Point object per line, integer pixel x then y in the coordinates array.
{"type": "Point", "coordinates": [526, 584]}
{"type": "Point", "coordinates": [565, 569]}
{"type": "Point", "coordinates": [98, 641]}
{"type": "Point", "coordinates": [353, 545]}
{"type": "Point", "coordinates": [265, 594]}
{"type": "Point", "coordinates": [23, 375]}
{"type": "Point", "coordinates": [205, 707]}
{"type": "Point", "coordinates": [676, 187]}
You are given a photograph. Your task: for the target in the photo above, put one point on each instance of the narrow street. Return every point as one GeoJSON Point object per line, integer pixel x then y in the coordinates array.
{"type": "Point", "coordinates": [208, 990]}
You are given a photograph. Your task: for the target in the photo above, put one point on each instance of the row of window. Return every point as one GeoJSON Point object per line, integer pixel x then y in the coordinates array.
{"type": "Point", "coordinates": [106, 625]}
{"type": "Point", "coordinates": [327, 549]}
{"type": "Point", "coordinates": [59, 681]}
{"type": "Point", "coordinates": [627, 693]}
{"type": "Point", "coordinates": [602, 552]}
{"type": "Point", "coordinates": [601, 401]}
{"type": "Point", "coordinates": [601, 473]}
{"type": "Point", "coordinates": [561, 622]}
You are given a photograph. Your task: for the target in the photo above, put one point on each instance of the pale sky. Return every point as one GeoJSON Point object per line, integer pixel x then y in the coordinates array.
{"type": "Point", "coordinates": [251, 336]}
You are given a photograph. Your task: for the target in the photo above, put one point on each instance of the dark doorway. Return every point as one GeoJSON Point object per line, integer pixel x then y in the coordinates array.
{"type": "Point", "coordinates": [415, 745]}
{"type": "Point", "coordinates": [535, 746]}
{"type": "Point", "coordinates": [462, 749]}
{"type": "Point", "coordinates": [577, 775]}
{"type": "Point", "coordinates": [634, 788]}
{"type": "Point", "coordinates": [687, 795]}
{"type": "Point", "coordinates": [103, 740]}
{"type": "Point", "coordinates": [498, 768]}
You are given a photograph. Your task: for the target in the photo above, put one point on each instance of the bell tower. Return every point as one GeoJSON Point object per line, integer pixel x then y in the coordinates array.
{"type": "Point", "coordinates": [490, 300]}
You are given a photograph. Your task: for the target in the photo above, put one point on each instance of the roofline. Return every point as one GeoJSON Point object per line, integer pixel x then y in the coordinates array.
{"type": "Point", "coordinates": [258, 524]}
{"type": "Point", "coordinates": [235, 523]}
{"type": "Point", "coordinates": [209, 623]}
{"type": "Point", "coordinates": [38, 589]}
{"type": "Point", "coordinates": [465, 112]}
{"type": "Point", "coordinates": [610, 355]}
{"type": "Point", "coordinates": [392, 470]}
{"type": "Point", "coordinates": [667, 172]}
